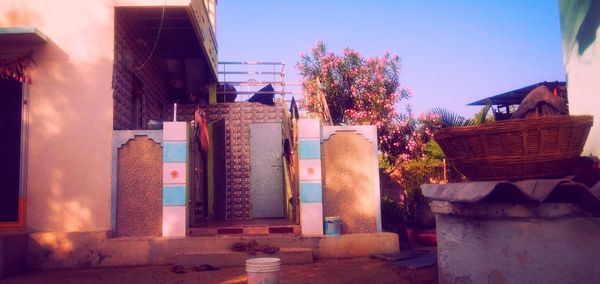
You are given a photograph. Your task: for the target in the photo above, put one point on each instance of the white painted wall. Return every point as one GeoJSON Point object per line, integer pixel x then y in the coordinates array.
{"type": "Point", "coordinates": [582, 68]}
{"type": "Point", "coordinates": [71, 109]}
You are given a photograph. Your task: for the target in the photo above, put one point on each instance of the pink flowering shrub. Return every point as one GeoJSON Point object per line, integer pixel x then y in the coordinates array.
{"type": "Point", "coordinates": [362, 91]}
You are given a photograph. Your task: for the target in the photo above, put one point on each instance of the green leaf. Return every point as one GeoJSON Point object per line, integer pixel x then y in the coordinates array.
{"type": "Point", "coordinates": [448, 118]}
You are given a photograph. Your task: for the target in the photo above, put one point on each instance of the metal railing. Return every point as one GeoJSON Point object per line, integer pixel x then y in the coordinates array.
{"type": "Point", "coordinates": [248, 77]}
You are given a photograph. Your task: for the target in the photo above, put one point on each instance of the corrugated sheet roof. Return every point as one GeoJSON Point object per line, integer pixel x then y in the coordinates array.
{"type": "Point", "coordinates": [536, 191]}
{"type": "Point", "coordinates": [515, 97]}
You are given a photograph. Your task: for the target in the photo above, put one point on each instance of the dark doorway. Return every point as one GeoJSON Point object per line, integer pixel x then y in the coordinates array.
{"type": "Point", "coordinates": [137, 92]}
{"type": "Point", "coordinates": [11, 96]}
{"type": "Point", "coordinates": [220, 171]}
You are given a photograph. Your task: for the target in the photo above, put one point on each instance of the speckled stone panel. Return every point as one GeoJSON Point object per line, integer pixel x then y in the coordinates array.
{"type": "Point", "coordinates": [139, 188]}
{"type": "Point", "coordinates": [349, 183]}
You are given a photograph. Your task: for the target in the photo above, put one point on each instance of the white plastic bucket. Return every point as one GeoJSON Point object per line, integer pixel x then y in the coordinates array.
{"type": "Point", "coordinates": [263, 270]}
{"type": "Point", "coordinates": [332, 225]}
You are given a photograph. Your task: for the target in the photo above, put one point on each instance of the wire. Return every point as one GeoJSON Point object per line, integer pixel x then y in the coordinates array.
{"type": "Point", "coordinates": [162, 21]}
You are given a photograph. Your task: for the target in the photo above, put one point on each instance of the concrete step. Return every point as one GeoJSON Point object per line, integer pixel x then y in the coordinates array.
{"type": "Point", "coordinates": [130, 251]}
{"type": "Point", "coordinates": [231, 258]}
{"type": "Point", "coordinates": [247, 230]}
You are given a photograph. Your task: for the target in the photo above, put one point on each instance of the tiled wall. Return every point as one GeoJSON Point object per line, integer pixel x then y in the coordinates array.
{"type": "Point", "coordinates": [311, 190]}
{"type": "Point", "coordinates": [238, 117]}
{"type": "Point", "coordinates": [175, 167]}
{"type": "Point", "coordinates": [132, 47]}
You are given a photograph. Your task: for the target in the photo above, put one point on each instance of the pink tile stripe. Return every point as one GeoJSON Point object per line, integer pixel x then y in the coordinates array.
{"type": "Point", "coordinates": [174, 131]}
{"type": "Point", "coordinates": [310, 170]}
{"type": "Point", "coordinates": [174, 221]}
{"type": "Point", "coordinates": [311, 220]}
{"type": "Point", "coordinates": [174, 173]}
{"type": "Point", "coordinates": [309, 128]}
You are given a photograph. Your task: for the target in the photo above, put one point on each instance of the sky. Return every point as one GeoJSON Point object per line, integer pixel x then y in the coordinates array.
{"type": "Point", "coordinates": [452, 52]}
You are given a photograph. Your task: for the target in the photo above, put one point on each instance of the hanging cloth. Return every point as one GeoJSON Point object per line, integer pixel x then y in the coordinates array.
{"type": "Point", "coordinates": [17, 68]}
{"type": "Point", "coordinates": [202, 131]}
{"type": "Point", "coordinates": [294, 109]}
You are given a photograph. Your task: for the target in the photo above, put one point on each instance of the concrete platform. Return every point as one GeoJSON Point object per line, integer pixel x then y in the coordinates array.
{"type": "Point", "coordinates": [13, 252]}
{"type": "Point", "coordinates": [229, 258]}
{"type": "Point", "coordinates": [97, 249]}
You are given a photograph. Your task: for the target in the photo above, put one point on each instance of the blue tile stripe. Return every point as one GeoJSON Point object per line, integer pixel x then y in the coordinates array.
{"type": "Point", "coordinates": [174, 195]}
{"type": "Point", "coordinates": [311, 192]}
{"type": "Point", "coordinates": [309, 149]}
{"type": "Point", "coordinates": [174, 152]}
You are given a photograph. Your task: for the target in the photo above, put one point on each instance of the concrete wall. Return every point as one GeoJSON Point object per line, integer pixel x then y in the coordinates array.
{"type": "Point", "coordinates": [349, 182]}
{"type": "Point", "coordinates": [516, 243]}
{"type": "Point", "coordinates": [71, 110]}
{"type": "Point", "coordinates": [580, 26]}
{"type": "Point", "coordinates": [351, 177]}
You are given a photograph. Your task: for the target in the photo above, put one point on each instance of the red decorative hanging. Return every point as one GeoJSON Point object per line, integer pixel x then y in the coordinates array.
{"type": "Point", "coordinates": [17, 68]}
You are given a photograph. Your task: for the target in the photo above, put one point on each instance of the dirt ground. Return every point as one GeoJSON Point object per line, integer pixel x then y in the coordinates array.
{"type": "Point", "coordinates": [356, 270]}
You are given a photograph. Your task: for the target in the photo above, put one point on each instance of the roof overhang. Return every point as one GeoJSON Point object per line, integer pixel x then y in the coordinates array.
{"type": "Point", "coordinates": [515, 97]}
{"type": "Point", "coordinates": [183, 29]}
{"type": "Point", "coordinates": [150, 3]}
{"type": "Point", "coordinates": [22, 36]}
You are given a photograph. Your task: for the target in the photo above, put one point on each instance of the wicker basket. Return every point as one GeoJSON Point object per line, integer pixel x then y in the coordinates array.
{"type": "Point", "coordinates": [542, 147]}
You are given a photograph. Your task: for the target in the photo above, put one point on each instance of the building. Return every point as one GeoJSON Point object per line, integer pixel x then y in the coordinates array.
{"type": "Point", "coordinates": [579, 22]}
{"type": "Point", "coordinates": [90, 170]}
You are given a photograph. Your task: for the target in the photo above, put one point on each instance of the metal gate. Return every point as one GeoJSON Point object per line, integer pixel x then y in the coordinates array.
{"type": "Point", "coordinates": [266, 177]}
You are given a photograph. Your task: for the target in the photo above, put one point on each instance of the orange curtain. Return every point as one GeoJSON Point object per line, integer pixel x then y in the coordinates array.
{"type": "Point", "coordinates": [202, 131]}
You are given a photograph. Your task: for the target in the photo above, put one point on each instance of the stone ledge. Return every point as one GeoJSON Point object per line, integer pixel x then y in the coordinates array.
{"type": "Point", "coordinates": [507, 210]}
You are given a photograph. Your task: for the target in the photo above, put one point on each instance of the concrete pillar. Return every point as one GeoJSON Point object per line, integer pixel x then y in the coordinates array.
{"type": "Point", "coordinates": [311, 191]}
{"type": "Point", "coordinates": [516, 243]}
{"type": "Point", "coordinates": [175, 182]}
{"type": "Point", "coordinates": [212, 93]}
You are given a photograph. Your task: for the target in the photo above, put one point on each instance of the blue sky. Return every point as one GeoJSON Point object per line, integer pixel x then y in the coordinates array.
{"type": "Point", "coordinates": [453, 52]}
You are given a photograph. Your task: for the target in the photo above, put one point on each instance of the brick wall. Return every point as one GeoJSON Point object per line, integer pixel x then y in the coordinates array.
{"type": "Point", "coordinates": [133, 44]}
{"type": "Point", "coordinates": [238, 117]}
